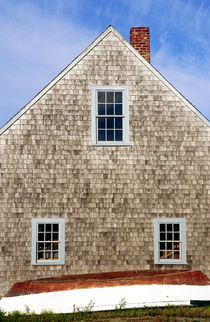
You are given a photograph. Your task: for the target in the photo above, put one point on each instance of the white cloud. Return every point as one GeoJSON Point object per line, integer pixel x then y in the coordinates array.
{"type": "Point", "coordinates": [33, 36]}
{"type": "Point", "coordinates": [34, 48]}
{"type": "Point", "coordinates": [140, 7]}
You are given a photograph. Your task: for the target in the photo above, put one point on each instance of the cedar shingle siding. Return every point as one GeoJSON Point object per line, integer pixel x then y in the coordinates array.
{"type": "Point", "coordinates": [107, 195]}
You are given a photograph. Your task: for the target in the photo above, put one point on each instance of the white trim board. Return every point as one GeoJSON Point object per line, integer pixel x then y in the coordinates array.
{"type": "Point", "coordinates": [83, 54]}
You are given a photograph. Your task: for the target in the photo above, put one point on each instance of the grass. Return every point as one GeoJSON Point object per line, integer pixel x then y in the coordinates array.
{"type": "Point", "coordinates": [170, 313]}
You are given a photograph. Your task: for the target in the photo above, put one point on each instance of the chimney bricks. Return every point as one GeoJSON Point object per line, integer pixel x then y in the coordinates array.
{"type": "Point", "coordinates": [140, 40]}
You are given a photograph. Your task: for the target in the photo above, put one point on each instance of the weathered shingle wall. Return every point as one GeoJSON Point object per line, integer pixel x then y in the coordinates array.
{"type": "Point", "coordinates": [107, 195]}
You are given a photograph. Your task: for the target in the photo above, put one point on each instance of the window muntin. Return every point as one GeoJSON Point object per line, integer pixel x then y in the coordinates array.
{"type": "Point", "coordinates": [48, 242]}
{"type": "Point", "coordinates": [110, 118]}
{"type": "Point", "coordinates": [48, 238]}
{"type": "Point", "coordinates": [170, 245]}
{"type": "Point", "coordinates": [170, 241]}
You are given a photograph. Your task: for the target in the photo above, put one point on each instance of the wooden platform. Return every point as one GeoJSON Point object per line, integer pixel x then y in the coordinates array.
{"type": "Point", "coordinates": [70, 282]}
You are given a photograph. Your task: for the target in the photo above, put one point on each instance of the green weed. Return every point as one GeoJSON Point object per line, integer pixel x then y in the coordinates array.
{"type": "Point", "coordinates": [169, 313]}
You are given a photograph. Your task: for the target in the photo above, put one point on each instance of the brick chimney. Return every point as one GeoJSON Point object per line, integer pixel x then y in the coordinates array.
{"type": "Point", "coordinates": [140, 40]}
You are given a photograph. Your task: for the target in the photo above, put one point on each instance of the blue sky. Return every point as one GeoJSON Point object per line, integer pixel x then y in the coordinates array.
{"type": "Point", "coordinates": [40, 37]}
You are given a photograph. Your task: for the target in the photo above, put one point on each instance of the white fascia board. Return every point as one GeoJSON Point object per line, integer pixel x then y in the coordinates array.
{"type": "Point", "coordinates": [81, 56]}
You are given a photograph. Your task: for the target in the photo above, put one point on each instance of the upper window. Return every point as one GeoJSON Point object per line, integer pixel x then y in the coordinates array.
{"type": "Point", "coordinates": [170, 241]}
{"type": "Point", "coordinates": [110, 115]}
{"type": "Point", "coordinates": [48, 241]}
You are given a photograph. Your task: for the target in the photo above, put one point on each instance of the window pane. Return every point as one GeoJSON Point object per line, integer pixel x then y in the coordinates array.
{"type": "Point", "coordinates": [40, 236]}
{"type": "Point", "coordinates": [40, 246]}
{"type": "Point", "coordinates": [176, 236]}
{"type": "Point", "coordinates": [162, 236]}
{"type": "Point", "coordinates": [48, 246]}
{"type": "Point", "coordinates": [169, 236]}
{"type": "Point", "coordinates": [101, 123]}
{"type": "Point", "coordinates": [110, 109]}
{"type": "Point", "coordinates": [169, 227]}
{"type": "Point", "coordinates": [48, 227]}
{"type": "Point", "coordinates": [110, 123]}
{"type": "Point", "coordinates": [101, 109]}
{"type": "Point", "coordinates": [48, 236]}
{"type": "Point", "coordinates": [162, 245]}
{"type": "Point", "coordinates": [118, 109]}
{"type": "Point", "coordinates": [101, 135]}
{"type": "Point", "coordinates": [118, 97]}
{"type": "Point", "coordinates": [55, 236]}
{"type": "Point", "coordinates": [169, 254]}
{"type": "Point", "coordinates": [40, 227]}
{"type": "Point", "coordinates": [55, 227]}
{"type": "Point", "coordinates": [118, 135]}
{"type": "Point", "coordinates": [101, 97]}
{"type": "Point", "coordinates": [110, 97]}
{"type": "Point", "coordinates": [176, 255]}
{"type": "Point", "coordinates": [55, 255]}
{"type": "Point", "coordinates": [118, 122]}
{"type": "Point", "coordinates": [162, 254]}
{"type": "Point", "coordinates": [176, 246]}
{"type": "Point", "coordinates": [110, 135]}
{"type": "Point", "coordinates": [162, 227]}
{"type": "Point", "coordinates": [169, 246]}
{"type": "Point", "coordinates": [48, 255]}
{"type": "Point", "coordinates": [176, 227]}
{"type": "Point", "coordinates": [55, 246]}
{"type": "Point", "coordinates": [40, 255]}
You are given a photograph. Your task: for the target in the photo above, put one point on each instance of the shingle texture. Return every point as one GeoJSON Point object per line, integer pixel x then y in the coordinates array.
{"type": "Point", "coordinates": [108, 196]}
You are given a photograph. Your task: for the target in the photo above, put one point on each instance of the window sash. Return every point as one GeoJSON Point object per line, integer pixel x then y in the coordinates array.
{"type": "Point", "coordinates": [48, 241]}
{"type": "Point", "coordinates": [108, 129]}
{"type": "Point", "coordinates": [110, 105]}
{"type": "Point", "coordinates": [171, 251]}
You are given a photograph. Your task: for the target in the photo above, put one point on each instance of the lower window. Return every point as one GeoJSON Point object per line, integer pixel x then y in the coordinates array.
{"type": "Point", "coordinates": [48, 241]}
{"type": "Point", "coordinates": [170, 241]}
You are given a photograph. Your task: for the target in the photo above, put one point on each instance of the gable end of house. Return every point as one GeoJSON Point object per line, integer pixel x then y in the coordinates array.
{"type": "Point", "coordinates": [81, 56]}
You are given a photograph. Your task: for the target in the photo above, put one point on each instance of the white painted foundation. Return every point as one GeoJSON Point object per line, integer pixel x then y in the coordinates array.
{"type": "Point", "coordinates": [106, 298]}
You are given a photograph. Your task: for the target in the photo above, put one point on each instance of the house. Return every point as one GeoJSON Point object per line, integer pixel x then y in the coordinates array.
{"type": "Point", "coordinates": [106, 169]}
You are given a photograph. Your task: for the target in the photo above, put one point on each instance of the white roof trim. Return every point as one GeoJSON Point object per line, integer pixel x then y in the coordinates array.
{"type": "Point", "coordinates": [83, 54]}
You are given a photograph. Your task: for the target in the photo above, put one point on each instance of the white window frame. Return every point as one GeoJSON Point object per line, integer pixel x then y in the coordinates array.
{"type": "Point", "coordinates": [95, 90]}
{"type": "Point", "coordinates": [61, 223]}
{"type": "Point", "coordinates": [182, 223]}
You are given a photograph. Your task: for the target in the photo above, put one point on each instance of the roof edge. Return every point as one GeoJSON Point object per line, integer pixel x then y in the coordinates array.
{"type": "Point", "coordinates": [109, 29]}
{"type": "Point", "coordinates": [162, 78]}
{"type": "Point", "coordinates": [26, 107]}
